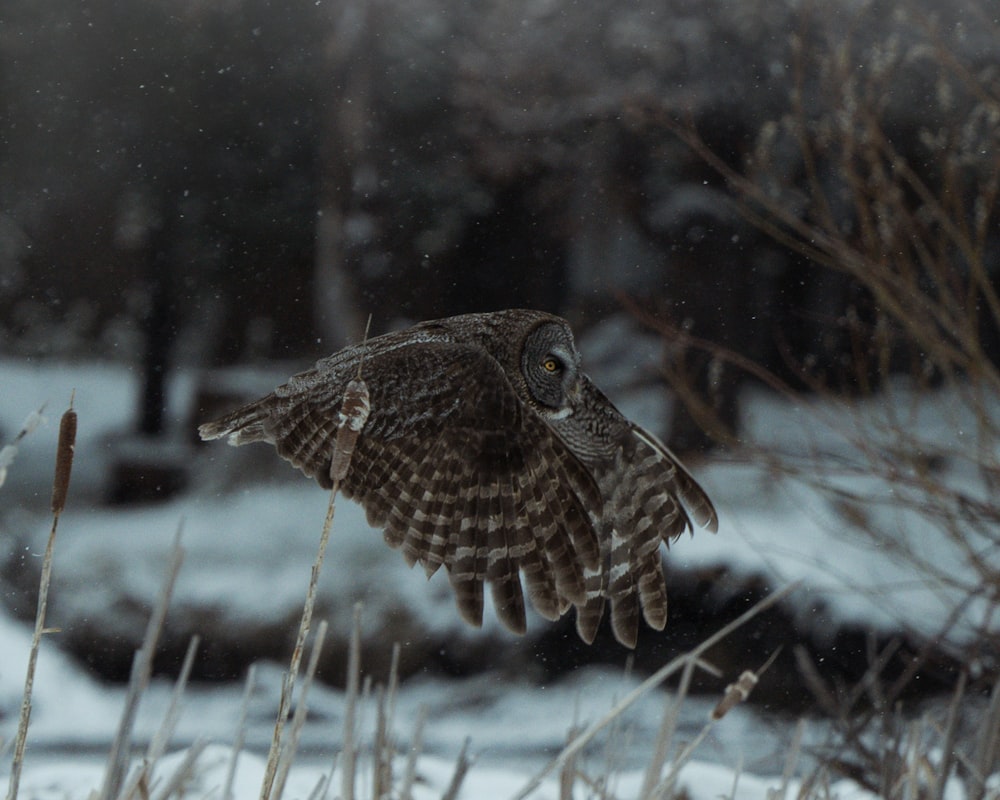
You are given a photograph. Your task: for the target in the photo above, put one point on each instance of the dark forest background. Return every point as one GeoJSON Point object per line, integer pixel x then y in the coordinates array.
{"type": "Point", "coordinates": [209, 183]}
{"type": "Point", "coordinates": [794, 194]}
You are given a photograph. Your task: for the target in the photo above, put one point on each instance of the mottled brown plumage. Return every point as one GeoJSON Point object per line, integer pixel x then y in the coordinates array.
{"type": "Point", "coordinates": [488, 451]}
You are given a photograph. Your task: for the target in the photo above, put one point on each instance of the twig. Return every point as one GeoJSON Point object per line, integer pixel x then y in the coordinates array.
{"type": "Point", "coordinates": [988, 749]}
{"type": "Point", "coordinates": [60, 485]}
{"type": "Point", "coordinates": [950, 735]}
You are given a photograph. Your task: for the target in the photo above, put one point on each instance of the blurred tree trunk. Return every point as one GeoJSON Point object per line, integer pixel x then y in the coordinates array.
{"type": "Point", "coordinates": [159, 330]}
{"type": "Point", "coordinates": [344, 136]}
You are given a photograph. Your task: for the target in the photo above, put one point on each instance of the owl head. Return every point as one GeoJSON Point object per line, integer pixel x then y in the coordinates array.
{"type": "Point", "coordinates": [535, 349]}
{"type": "Point", "coordinates": [550, 366]}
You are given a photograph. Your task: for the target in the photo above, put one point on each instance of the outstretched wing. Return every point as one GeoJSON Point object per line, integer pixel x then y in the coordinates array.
{"type": "Point", "coordinates": [650, 498]}
{"type": "Point", "coordinates": [452, 466]}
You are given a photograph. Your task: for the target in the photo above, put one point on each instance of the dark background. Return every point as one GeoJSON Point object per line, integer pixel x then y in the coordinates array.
{"type": "Point", "coordinates": [210, 183]}
{"type": "Point", "coordinates": [795, 194]}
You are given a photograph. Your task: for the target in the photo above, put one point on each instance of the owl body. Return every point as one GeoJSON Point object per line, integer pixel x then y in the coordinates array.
{"type": "Point", "coordinates": [489, 452]}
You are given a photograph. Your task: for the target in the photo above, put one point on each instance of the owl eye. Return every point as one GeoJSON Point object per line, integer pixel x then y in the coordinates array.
{"type": "Point", "coordinates": [551, 365]}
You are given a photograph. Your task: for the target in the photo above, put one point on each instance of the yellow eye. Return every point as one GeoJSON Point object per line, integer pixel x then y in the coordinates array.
{"type": "Point", "coordinates": [550, 365]}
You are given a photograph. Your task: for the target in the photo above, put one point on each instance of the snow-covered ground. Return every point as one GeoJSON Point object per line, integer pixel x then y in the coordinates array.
{"type": "Point", "coordinates": [235, 531]}
{"type": "Point", "coordinates": [514, 729]}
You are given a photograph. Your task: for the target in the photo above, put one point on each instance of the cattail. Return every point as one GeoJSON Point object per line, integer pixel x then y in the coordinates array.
{"type": "Point", "coordinates": [353, 415]}
{"type": "Point", "coordinates": [64, 459]}
{"type": "Point", "coordinates": [735, 694]}
{"type": "Point", "coordinates": [739, 691]}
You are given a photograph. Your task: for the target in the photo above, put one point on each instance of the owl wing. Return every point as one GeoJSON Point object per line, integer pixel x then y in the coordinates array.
{"type": "Point", "coordinates": [453, 466]}
{"type": "Point", "coordinates": [650, 499]}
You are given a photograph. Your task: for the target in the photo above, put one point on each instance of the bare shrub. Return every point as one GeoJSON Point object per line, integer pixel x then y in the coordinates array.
{"type": "Point", "coordinates": [884, 170]}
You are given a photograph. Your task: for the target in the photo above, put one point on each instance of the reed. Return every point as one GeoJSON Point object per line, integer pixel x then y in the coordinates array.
{"type": "Point", "coordinates": [60, 487]}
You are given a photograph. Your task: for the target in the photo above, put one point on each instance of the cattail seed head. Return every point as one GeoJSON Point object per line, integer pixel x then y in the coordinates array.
{"type": "Point", "coordinates": [64, 460]}
{"type": "Point", "coordinates": [353, 415]}
{"type": "Point", "coordinates": [736, 693]}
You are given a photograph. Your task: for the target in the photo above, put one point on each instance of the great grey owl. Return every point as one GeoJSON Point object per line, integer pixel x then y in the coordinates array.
{"type": "Point", "coordinates": [487, 450]}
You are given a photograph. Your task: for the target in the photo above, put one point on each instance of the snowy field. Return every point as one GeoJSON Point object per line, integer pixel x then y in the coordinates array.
{"type": "Point", "coordinates": [780, 529]}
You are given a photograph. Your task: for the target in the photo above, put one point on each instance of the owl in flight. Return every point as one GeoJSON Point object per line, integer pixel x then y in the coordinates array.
{"type": "Point", "coordinates": [488, 451]}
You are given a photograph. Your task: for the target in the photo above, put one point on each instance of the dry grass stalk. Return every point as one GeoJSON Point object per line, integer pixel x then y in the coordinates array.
{"type": "Point", "coordinates": [241, 732]}
{"type": "Point", "coordinates": [301, 709]}
{"type": "Point", "coordinates": [354, 412]}
{"type": "Point", "coordinates": [666, 787]}
{"type": "Point", "coordinates": [737, 773]}
{"type": "Point", "coordinates": [416, 745]}
{"type": "Point", "coordinates": [648, 685]}
{"type": "Point", "coordinates": [142, 776]}
{"type": "Point", "coordinates": [142, 670]}
{"type": "Point", "coordinates": [288, 685]}
{"type": "Point", "coordinates": [382, 748]}
{"type": "Point", "coordinates": [173, 787]}
{"type": "Point", "coordinates": [385, 744]}
{"type": "Point", "coordinates": [655, 784]}
{"type": "Point", "coordinates": [792, 761]}
{"type": "Point", "coordinates": [158, 746]}
{"type": "Point", "coordinates": [462, 765]}
{"type": "Point", "coordinates": [60, 486]}
{"type": "Point", "coordinates": [319, 790]}
{"type": "Point", "coordinates": [668, 726]}
{"type": "Point", "coordinates": [348, 752]}
{"type": "Point", "coordinates": [568, 773]}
